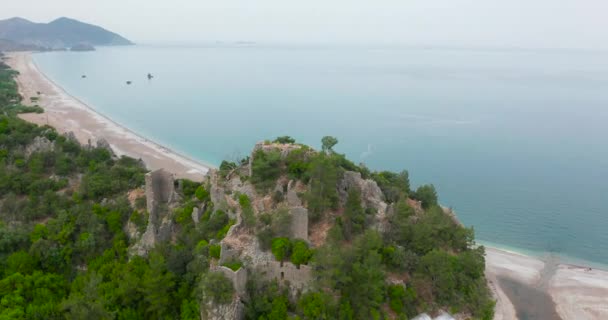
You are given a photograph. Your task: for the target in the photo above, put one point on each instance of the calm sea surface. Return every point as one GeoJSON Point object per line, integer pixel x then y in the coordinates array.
{"type": "Point", "coordinates": [515, 141]}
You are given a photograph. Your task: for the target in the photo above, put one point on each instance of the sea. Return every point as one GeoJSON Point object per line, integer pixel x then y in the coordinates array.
{"type": "Point", "coordinates": [515, 140]}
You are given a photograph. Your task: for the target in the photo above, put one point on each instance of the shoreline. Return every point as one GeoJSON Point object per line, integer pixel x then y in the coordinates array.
{"type": "Point", "coordinates": [66, 113]}
{"type": "Point", "coordinates": [578, 292]}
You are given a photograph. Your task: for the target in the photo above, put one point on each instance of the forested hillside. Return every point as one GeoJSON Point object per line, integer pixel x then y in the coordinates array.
{"type": "Point", "coordinates": [71, 216]}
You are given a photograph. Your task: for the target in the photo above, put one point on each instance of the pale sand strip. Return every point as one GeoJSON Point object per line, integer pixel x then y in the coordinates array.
{"type": "Point", "coordinates": [579, 293]}
{"type": "Point", "coordinates": [500, 263]}
{"type": "Point", "coordinates": [68, 114]}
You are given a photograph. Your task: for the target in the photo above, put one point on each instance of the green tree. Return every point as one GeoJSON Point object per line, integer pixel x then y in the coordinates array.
{"type": "Point", "coordinates": [394, 186]}
{"type": "Point", "coordinates": [279, 309]}
{"type": "Point", "coordinates": [300, 254]}
{"type": "Point", "coordinates": [316, 306]}
{"type": "Point", "coordinates": [427, 194]}
{"type": "Point", "coordinates": [284, 139]}
{"type": "Point", "coordinates": [202, 194]}
{"type": "Point", "coordinates": [158, 284]}
{"type": "Point", "coordinates": [266, 169]}
{"type": "Point", "coordinates": [323, 194]}
{"type": "Point", "coordinates": [281, 248]}
{"type": "Point", "coordinates": [328, 143]}
{"type": "Point", "coordinates": [354, 215]}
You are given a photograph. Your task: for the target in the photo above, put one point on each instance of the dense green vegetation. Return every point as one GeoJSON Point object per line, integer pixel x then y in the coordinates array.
{"type": "Point", "coordinates": [64, 247]}
{"type": "Point", "coordinates": [435, 257]}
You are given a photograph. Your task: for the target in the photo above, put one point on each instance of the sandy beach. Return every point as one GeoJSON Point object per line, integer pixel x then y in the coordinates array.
{"type": "Point", "coordinates": [67, 114]}
{"type": "Point", "coordinates": [579, 293]}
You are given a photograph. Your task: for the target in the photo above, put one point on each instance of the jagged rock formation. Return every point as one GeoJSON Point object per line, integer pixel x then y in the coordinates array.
{"type": "Point", "coordinates": [371, 197]}
{"type": "Point", "coordinates": [40, 144]}
{"type": "Point", "coordinates": [160, 194]}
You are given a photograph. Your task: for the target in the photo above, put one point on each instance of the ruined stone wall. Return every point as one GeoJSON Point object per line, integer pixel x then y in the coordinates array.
{"type": "Point", "coordinates": [238, 278]}
{"type": "Point", "coordinates": [160, 191]}
{"type": "Point", "coordinates": [160, 188]}
{"type": "Point", "coordinates": [227, 253]}
{"type": "Point", "coordinates": [299, 223]}
{"type": "Point", "coordinates": [286, 272]}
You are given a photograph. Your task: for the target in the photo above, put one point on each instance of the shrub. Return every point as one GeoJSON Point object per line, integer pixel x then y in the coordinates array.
{"type": "Point", "coordinates": [281, 248]}
{"type": "Point", "coordinates": [224, 230]}
{"type": "Point", "coordinates": [139, 219]}
{"type": "Point", "coordinates": [189, 187]}
{"type": "Point", "coordinates": [300, 253]}
{"type": "Point", "coordinates": [140, 203]}
{"type": "Point", "coordinates": [202, 194]}
{"type": "Point", "coordinates": [247, 211]}
{"type": "Point", "coordinates": [226, 167]}
{"type": "Point", "coordinates": [394, 186]}
{"type": "Point", "coordinates": [215, 250]}
{"type": "Point", "coordinates": [234, 265]}
{"type": "Point", "coordinates": [396, 294]}
{"type": "Point", "coordinates": [427, 194]}
{"type": "Point", "coordinates": [265, 237]}
{"type": "Point", "coordinates": [266, 169]}
{"type": "Point", "coordinates": [284, 139]}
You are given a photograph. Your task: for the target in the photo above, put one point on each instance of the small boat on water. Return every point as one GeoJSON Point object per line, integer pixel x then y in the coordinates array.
{"type": "Point", "coordinates": [150, 76]}
{"type": "Point", "coordinates": [129, 82]}
{"type": "Point", "coordinates": [83, 76]}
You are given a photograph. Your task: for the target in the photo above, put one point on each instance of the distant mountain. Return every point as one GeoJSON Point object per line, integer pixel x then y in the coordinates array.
{"type": "Point", "coordinates": [58, 34]}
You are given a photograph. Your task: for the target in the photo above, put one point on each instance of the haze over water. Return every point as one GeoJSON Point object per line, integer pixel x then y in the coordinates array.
{"type": "Point", "coordinates": [514, 140]}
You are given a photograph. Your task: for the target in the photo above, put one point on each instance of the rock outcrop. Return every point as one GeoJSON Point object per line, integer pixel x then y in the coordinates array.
{"type": "Point", "coordinates": [231, 311]}
{"type": "Point", "coordinates": [372, 197]}
{"type": "Point", "coordinates": [160, 194]}
{"type": "Point", "coordinates": [40, 144]}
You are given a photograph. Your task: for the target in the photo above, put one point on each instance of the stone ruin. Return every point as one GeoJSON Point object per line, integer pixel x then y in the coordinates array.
{"type": "Point", "coordinates": [286, 273]}
{"type": "Point", "coordinates": [299, 223]}
{"type": "Point", "coordinates": [160, 193]}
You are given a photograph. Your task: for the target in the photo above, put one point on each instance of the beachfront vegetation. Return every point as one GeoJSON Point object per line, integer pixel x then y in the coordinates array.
{"type": "Point", "coordinates": [64, 250]}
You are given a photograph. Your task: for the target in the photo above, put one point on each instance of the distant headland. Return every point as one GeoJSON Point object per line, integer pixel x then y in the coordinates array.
{"type": "Point", "coordinates": [18, 34]}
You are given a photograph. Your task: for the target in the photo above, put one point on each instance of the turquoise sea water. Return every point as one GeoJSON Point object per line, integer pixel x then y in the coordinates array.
{"type": "Point", "coordinates": [515, 141]}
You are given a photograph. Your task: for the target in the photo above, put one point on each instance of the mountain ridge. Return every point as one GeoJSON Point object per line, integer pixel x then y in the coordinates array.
{"type": "Point", "coordinates": [60, 33]}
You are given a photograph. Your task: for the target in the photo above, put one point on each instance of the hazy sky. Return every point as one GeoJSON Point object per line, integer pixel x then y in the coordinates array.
{"type": "Point", "coordinates": [523, 23]}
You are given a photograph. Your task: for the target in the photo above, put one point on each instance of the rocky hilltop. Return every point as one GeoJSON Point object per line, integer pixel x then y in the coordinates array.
{"type": "Point", "coordinates": [288, 232]}
{"type": "Point", "coordinates": [269, 204]}
{"type": "Point", "coordinates": [62, 33]}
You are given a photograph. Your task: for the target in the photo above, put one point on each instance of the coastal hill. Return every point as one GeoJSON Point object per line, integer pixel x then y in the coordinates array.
{"type": "Point", "coordinates": [287, 231]}
{"type": "Point", "coordinates": [61, 33]}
